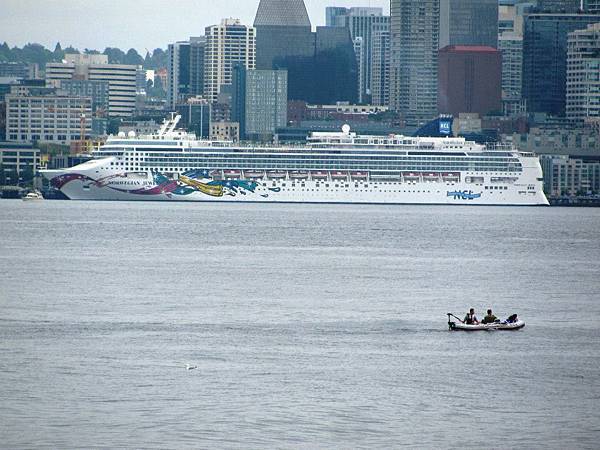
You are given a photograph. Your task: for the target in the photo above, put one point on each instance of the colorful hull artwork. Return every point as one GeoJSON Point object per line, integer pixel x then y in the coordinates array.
{"type": "Point", "coordinates": [187, 183]}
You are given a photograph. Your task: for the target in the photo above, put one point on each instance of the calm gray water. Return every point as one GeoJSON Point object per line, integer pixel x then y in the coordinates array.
{"type": "Point", "coordinates": [310, 326]}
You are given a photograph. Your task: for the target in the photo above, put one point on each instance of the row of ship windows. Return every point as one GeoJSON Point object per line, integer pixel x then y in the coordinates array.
{"type": "Point", "coordinates": [416, 168]}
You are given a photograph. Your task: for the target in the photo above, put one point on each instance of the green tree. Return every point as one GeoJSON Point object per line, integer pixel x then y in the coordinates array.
{"type": "Point", "coordinates": [133, 57]}
{"type": "Point", "coordinates": [115, 55]}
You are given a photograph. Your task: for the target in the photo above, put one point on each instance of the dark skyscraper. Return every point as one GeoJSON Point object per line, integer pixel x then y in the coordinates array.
{"type": "Point", "coordinates": [545, 59]}
{"type": "Point", "coordinates": [284, 40]}
{"type": "Point", "coordinates": [282, 30]}
{"type": "Point", "coordinates": [336, 69]}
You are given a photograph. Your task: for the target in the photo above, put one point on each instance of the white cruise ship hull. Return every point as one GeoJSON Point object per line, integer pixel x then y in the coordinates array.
{"type": "Point", "coordinates": [85, 184]}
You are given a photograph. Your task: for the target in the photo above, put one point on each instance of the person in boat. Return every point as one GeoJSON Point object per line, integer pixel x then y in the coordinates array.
{"type": "Point", "coordinates": [512, 318]}
{"type": "Point", "coordinates": [489, 318]}
{"type": "Point", "coordinates": [470, 318]}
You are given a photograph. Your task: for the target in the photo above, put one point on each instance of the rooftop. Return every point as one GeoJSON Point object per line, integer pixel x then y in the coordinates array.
{"type": "Point", "coordinates": [290, 13]}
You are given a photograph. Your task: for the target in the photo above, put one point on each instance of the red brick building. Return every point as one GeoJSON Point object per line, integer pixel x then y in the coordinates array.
{"type": "Point", "coordinates": [469, 80]}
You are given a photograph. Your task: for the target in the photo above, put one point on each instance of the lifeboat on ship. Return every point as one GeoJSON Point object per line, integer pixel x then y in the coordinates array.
{"type": "Point", "coordinates": [411, 176]}
{"type": "Point", "coordinates": [451, 176]}
{"type": "Point", "coordinates": [319, 175]}
{"type": "Point", "coordinates": [232, 173]}
{"type": "Point", "coordinates": [254, 174]}
{"type": "Point", "coordinates": [431, 176]}
{"type": "Point", "coordinates": [337, 175]}
{"type": "Point", "coordinates": [276, 174]}
{"type": "Point", "coordinates": [359, 175]}
{"type": "Point", "coordinates": [299, 175]}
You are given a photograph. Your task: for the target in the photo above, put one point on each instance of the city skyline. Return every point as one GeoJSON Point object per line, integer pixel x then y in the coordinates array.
{"type": "Point", "coordinates": [147, 30]}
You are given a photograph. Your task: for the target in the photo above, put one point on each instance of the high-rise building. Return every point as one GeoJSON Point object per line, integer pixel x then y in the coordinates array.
{"type": "Point", "coordinates": [414, 52]}
{"type": "Point", "coordinates": [359, 51]}
{"type": "Point", "coordinates": [591, 6]}
{"type": "Point", "coordinates": [321, 66]}
{"type": "Point", "coordinates": [227, 44]}
{"type": "Point", "coordinates": [50, 118]}
{"type": "Point", "coordinates": [380, 65]}
{"type": "Point", "coordinates": [259, 102]}
{"type": "Point", "coordinates": [178, 81]}
{"type": "Point", "coordinates": [511, 47]}
{"type": "Point", "coordinates": [197, 51]}
{"type": "Point", "coordinates": [545, 59]}
{"type": "Point", "coordinates": [469, 80]}
{"type": "Point", "coordinates": [185, 70]}
{"type": "Point", "coordinates": [468, 22]}
{"type": "Point", "coordinates": [335, 73]}
{"type": "Point", "coordinates": [360, 22]}
{"type": "Point", "coordinates": [284, 40]}
{"type": "Point", "coordinates": [583, 74]}
{"type": "Point", "coordinates": [121, 79]}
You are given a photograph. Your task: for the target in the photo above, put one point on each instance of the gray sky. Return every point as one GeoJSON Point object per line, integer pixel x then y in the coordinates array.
{"type": "Point", "coordinates": [142, 24]}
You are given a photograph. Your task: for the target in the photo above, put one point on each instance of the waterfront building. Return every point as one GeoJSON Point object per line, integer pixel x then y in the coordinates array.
{"type": "Point", "coordinates": [583, 74]}
{"type": "Point", "coordinates": [185, 71]}
{"type": "Point", "coordinates": [545, 59]}
{"type": "Point", "coordinates": [380, 64]}
{"type": "Point", "coordinates": [121, 79]}
{"type": "Point", "coordinates": [414, 54]}
{"type": "Point", "coordinates": [468, 22]}
{"type": "Point", "coordinates": [564, 175]}
{"type": "Point", "coordinates": [225, 131]}
{"type": "Point", "coordinates": [560, 139]}
{"type": "Point", "coordinates": [227, 44]}
{"type": "Point", "coordinates": [53, 118]}
{"type": "Point", "coordinates": [259, 102]}
{"type": "Point", "coordinates": [16, 158]}
{"type": "Point", "coordinates": [360, 21]}
{"type": "Point", "coordinates": [469, 80]}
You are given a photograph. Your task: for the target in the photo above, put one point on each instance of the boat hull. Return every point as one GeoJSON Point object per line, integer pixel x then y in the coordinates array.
{"type": "Point", "coordinates": [457, 326]}
{"type": "Point", "coordinates": [78, 185]}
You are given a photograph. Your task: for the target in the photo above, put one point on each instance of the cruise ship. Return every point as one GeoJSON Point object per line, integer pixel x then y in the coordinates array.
{"type": "Point", "coordinates": [332, 167]}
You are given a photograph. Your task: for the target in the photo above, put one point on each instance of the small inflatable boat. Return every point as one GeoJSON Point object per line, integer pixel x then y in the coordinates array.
{"type": "Point", "coordinates": [498, 325]}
